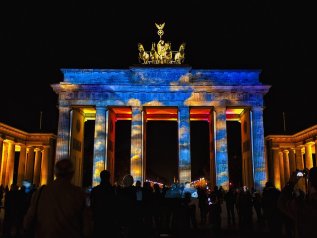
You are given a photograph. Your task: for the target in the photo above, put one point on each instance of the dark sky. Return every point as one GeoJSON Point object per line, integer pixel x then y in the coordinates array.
{"type": "Point", "coordinates": [37, 39]}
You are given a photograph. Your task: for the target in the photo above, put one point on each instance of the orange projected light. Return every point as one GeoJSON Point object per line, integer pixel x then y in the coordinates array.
{"type": "Point", "coordinates": [161, 114]}
{"type": "Point", "coordinates": [233, 114]}
{"type": "Point", "coordinates": [122, 113]}
{"type": "Point", "coordinates": [200, 114]}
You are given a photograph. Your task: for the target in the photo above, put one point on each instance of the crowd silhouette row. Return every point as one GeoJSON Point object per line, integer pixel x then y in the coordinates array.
{"type": "Point", "coordinates": [61, 209]}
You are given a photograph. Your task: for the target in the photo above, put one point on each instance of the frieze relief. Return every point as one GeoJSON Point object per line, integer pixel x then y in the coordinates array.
{"type": "Point", "coordinates": [85, 95]}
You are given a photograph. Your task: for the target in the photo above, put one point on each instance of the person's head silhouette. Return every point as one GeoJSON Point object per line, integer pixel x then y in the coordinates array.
{"type": "Point", "coordinates": [105, 176]}
{"type": "Point", "coordinates": [64, 169]}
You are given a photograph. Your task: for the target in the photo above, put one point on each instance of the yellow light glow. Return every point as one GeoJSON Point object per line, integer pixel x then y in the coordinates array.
{"type": "Point", "coordinates": [234, 111]}
{"type": "Point", "coordinates": [134, 102]}
{"type": "Point", "coordinates": [17, 148]}
{"type": "Point", "coordinates": [89, 110]}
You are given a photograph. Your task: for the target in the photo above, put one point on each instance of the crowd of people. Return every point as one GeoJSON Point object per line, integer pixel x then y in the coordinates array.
{"type": "Point", "coordinates": [133, 209]}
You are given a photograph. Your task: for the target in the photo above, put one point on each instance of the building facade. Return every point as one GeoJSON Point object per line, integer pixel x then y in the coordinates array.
{"type": "Point", "coordinates": [165, 92]}
{"type": "Point", "coordinates": [25, 156]}
{"type": "Point", "coordinates": [287, 153]}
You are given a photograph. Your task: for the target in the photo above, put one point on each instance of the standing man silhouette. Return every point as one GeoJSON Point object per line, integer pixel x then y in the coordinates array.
{"type": "Point", "coordinates": [103, 206]}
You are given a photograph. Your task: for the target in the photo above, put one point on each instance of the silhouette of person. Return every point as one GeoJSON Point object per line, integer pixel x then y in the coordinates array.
{"type": "Point", "coordinates": [272, 214]}
{"type": "Point", "coordinates": [60, 208]}
{"type": "Point", "coordinates": [303, 212]}
{"type": "Point", "coordinates": [103, 206]}
{"type": "Point", "coordinates": [230, 198]}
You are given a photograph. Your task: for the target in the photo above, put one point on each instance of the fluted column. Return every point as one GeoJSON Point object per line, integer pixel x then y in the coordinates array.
{"type": "Point", "coordinates": [30, 164]}
{"type": "Point", "coordinates": [63, 134]}
{"type": "Point", "coordinates": [44, 167]}
{"type": "Point", "coordinates": [286, 165]}
{"type": "Point", "coordinates": [184, 161]}
{"type": "Point", "coordinates": [292, 160]}
{"type": "Point", "coordinates": [100, 143]}
{"type": "Point", "coordinates": [136, 144]}
{"type": "Point", "coordinates": [258, 160]}
{"type": "Point", "coordinates": [37, 166]}
{"type": "Point", "coordinates": [276, 163]}
{"type": "Point", "coordinates": [300, 165]}
{"type": "Point", "coordinates": [10, 163]}
{"type": "Point", "coordinates": [21, 167]}
{"type": "Point", "coordinates": [1, 148]}
{"type": "Point", "coordinates": [282, 169]}
{"type": "Point", "coordinates": [4, 162]}
{"type": "Point", "coordinates": [316, 152]}
{"type": "Point", "coordinates": [222, 170]}
{"type": "Point", "coordinates": [308, 155]}
{"type": "Point", "coordinates": [299, 158]}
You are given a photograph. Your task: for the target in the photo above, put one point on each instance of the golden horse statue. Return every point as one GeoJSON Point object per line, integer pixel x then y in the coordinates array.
{"type": "Point", "coordinates": [168, 53]}
{"type": "Point", "coordinates": [154, 57]}
{"type": "Point", "coordinates": [180, 55]}
{"type": "Point", "coordinates": [142, 54]}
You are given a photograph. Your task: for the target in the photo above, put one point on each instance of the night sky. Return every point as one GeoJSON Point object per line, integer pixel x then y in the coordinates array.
{"type": "Point", "coordinates": [37, 39]}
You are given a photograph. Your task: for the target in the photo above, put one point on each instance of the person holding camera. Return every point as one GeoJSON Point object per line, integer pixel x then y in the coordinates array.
{"type": "Point", "coordinates": [303, 212]}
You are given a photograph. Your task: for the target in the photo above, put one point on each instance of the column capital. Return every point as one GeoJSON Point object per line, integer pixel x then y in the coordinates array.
{"type": "Point", "coordinates": [220, 108]}
{"type": "Point", "coordinates": [30, 148]}
{"type": "Point", "coordinates": [9, 141]}
{"type": "Point", "coordinates": [140, 107]}
{"type": "Point", "coordinates": [291, 149]}
{"type": "Point", "coordinates": [299, 146]}
{"type": "Point", "coordinates": [275, 148]}
{"type": "Point", "coordinates": [286, 151]}
{"type": "Point", "coordinates": [309, 143]}
{"type": "Point", "coordinates": [64, 107]}
{"type": "Point", "coordinates": [101, 107]}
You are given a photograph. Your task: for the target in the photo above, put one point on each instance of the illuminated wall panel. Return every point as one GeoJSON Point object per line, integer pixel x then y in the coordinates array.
{"type": "Point", "coordinates": [100, 139]}
{"type": "Point", "coordinates": [184, 144]}
{"type": "Point", "coordinates": [136, 144]}
{"type": "Point", "coordinates": [258, 160]}
{"type": "Point", "coordinates": [222, 175]}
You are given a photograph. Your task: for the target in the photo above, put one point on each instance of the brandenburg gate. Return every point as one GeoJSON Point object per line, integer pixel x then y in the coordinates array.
{"type": "Point", "coordinates": [162, 88]}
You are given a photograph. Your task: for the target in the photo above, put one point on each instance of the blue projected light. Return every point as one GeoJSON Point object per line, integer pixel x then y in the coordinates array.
{"type": "Point", "coordinates": [180, 87]}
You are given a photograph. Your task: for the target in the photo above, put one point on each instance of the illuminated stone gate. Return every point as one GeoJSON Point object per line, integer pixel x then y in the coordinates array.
{"type": "Point", "coordinates": [162, 89]}
{"type": "Point", "coordinates": [175, 92]}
